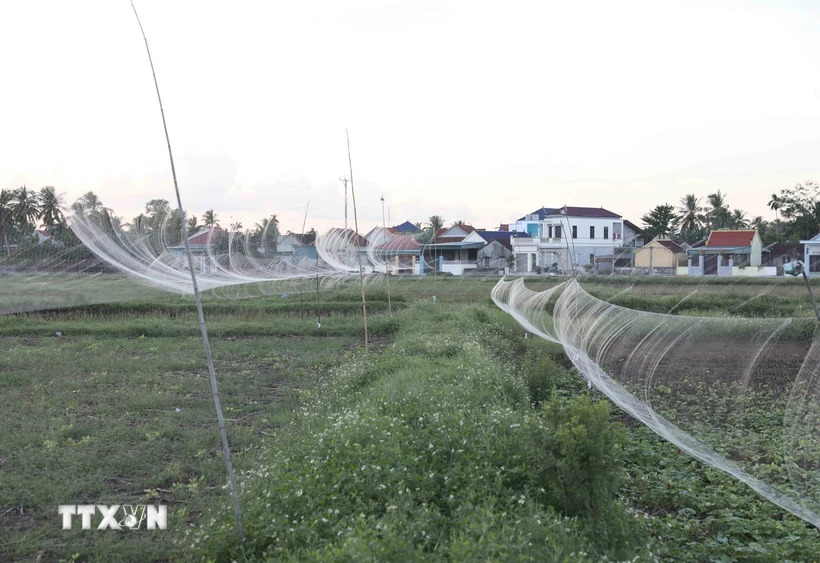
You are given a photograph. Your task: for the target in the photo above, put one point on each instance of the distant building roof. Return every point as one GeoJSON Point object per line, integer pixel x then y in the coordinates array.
{"type": "Point", "coordinates": [632, 227]}
{"type": "Point", "coordinates": [352, 236]}
{"type": "Point", "coordinates": [731, 238]}
{"type": "Point", "coordinates": [406, 227]}
{"type": "Point", "coordinates": [400, 243]}
{"type": "Point", "coordinates": [503, 237]}
{"type": "Point", "coordinates": [442, 239]}
{"type": "Point", "coordinates": [202, 236]}
{"type": "Point", "coordinates": [671, 245]}
{"type": "Point", "coordinates": [541, 213]}
{"type": "Point", "coordinates": [305, 239]}
{"type": "Point", "coordinates": [597, 212]}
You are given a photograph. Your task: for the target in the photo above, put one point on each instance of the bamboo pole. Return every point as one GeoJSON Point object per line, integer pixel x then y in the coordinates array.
{"type": "Point", "coordinates": [386, 270]}
{"type": "Point", "coordinates": [358, 253]}
{"type": "Point", "coordinates": [203, 328]}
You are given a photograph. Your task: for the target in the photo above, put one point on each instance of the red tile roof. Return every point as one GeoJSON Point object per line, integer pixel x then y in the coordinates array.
{"type": "Point", "coordinates": [731, 238]}
{"type": "Point", "coordinates": [404, 242]}
{"type": "Point", "coordinates": [204, 235]}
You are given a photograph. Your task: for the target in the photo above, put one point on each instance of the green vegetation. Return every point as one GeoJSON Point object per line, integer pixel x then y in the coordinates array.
{"type": "Point", "coordinates": [455, 439]}
{"type": "Point", "coordinates": [433, 450]}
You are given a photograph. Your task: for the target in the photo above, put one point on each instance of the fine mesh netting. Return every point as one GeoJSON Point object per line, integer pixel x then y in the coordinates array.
{"type": "Point", "coordinates": [93, 254]}
{"type": "Point", "coordinates": [740, 394]}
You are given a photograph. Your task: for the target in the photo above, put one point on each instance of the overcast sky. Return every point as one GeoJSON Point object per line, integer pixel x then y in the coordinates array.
{"type": "Point", "coordinates": [479, 111]}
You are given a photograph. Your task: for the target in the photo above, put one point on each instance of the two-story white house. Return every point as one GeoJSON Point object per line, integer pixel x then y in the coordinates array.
{"type": "Point", "coordinates": [569, 239]}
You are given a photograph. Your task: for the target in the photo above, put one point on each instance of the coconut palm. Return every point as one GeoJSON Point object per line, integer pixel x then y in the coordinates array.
{"type": "Point", "coordinates": [435, 224]}
{"type": "Point", "coordinates": [87, 203]}
{"type": "Point", "coordinates": [192, 224]}
{"type": "Point", "coordinates": [51, 210]}
{"type": "Point", "coordinates": [776, 203]}
{"type": "Point", "coordinates": [718, 214]}
{"type": "Point", "coordinates": [738, 219]}
{"type": "Point", "coordinates": [6, 216]}
{"type": "Point", "coordinates": [266, 233]}
{"type": "Point", "coordinates": [689, 213]}
{"type": "Point", "coordinates": [209, 218]}
{"type": "Point", "coordinates": [141, 223]}
{"type": "Point", "coordinates": [26, 209]}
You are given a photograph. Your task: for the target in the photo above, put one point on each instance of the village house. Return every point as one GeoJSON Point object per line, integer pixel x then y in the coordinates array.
{"type": "Point", "coordinates": [659, 256]}
{"type": "Point", "coordinates": [728, 253]}
{"type": "Point", "coordinates": [570, 239]}
{"type": "Point", "coordinates": [811, 255]}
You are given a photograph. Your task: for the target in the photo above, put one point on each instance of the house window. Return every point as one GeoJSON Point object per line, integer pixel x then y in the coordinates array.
{"type": "Point", "coordinates": [575, 231]}
{"type": "Point", "coordinates": [550, 231]}
{"type": "Point", "coordinates": [532, 229]}
{"type": "Point", "coordinates": [558, 231]}
{"type": "Point", "coordinates": [592, 232]}
{"type": "Point", "coordinates": [606, 233]}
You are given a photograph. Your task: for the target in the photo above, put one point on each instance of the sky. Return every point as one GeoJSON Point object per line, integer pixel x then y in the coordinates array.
{"type": "Point", "coordinates": [475, 111]}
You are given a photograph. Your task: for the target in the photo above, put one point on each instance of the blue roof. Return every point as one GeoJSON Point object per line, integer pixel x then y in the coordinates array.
{"type": "Point", "coordinates": [406, 227]}
{"type": "Point", "coordinates": [541, 213]}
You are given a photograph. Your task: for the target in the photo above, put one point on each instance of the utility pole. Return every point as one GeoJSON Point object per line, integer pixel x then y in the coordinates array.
{"type": "Point", "coordinates": [345, 180]}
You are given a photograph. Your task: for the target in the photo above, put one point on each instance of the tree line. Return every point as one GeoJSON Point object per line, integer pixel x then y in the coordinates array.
{"type": "Point", "coordinates": [797, 216]}
{"type": "Point", "coordinates": [24, 211]}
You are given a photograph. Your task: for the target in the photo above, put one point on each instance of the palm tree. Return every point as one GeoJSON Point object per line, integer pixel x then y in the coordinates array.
{"type": "Point", "coordinates": [88, 203]}
{"type": "Point", "coordinates": [776, 203]}
{"type": "Point", "coordinates": [738, 219]}
{"type": "Point", "coordinates": [435, 224]}
{"type": "Point", "coordinates": [26, 209]}
{"type": "Point", "coordinates": [209, 218]}
{"type": "Point", "coordinates": [141, 223]}
{"type": "Point", "coordinates": [6, 216]}
{"type": "Point", "coordinates": [236, 227]}
{"type": "Point", "coordinates": [458, 223]}
{"type": "Point", "coordinates": [51, 210]}
{"type": "Point", "coordinates": [192, 224]}
{"type": "Point", "coordinates": [689, 213]}
{"type": "Point", "coordinates": [719, 210]}
{"type": "Point", "coordinates": [266, 234]}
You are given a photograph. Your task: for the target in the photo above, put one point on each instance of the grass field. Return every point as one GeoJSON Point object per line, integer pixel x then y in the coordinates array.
{"type": "Point", "coordinates": [448, 442]}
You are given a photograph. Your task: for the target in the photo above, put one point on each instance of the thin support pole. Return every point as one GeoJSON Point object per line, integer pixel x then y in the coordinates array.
{"type": "Point", "coordinates": [811, 294]}
{"type": "Point", "coordinates": [358, 253]}
{"type": "Point", "coordinates": [318, 310]}
{"type": "Point", "coordinates": [214, 389]}
{"type": "Point", "coordinates": [386, 270]}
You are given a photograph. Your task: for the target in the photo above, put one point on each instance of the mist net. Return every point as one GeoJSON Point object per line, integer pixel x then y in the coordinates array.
{"type": "Point", "coordinates": [740, 394]}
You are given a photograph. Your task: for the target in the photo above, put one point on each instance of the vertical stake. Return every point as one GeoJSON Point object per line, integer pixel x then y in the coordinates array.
{"type": "Point", "coordinates": [318, 310]}
{"type": "Point", "coordinates": [214, 389]}
{"type": "Point", "coordinates": [386, 269]}
{"type": "Point", "coordinates": [358, 253]}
